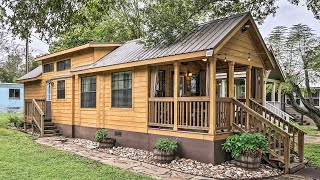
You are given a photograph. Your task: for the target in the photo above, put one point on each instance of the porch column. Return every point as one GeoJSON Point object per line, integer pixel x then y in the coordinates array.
{"type": "Point", "coordinates": [273, 93]}
{"type": "Point", "coordinates": [279, 94]}
{"type": "Point", "coordinates": [248, 93]}
{"type": "Point", "coordinates": [231, 91]}
{"type": "Point", "coordinates": [213, 87]}
{"type": "Point", "coordinates": [262, 89]}
{"type": "Point", "coordinates": [223, 88]}
{"type": "Point", "coordinates": [176, 93]}
{"type": "Point", "coordinates": [248, 85]}
{"type": "Point", "coordinates": [264, 97]}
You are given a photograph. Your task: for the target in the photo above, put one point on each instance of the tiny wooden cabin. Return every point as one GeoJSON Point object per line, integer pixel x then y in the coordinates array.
{"type": "Point", "coordinates": [140, 94]}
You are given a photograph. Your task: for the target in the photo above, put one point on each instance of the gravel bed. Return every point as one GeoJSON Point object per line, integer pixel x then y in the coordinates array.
{"type": "Point", "coordinates": [225, 170]}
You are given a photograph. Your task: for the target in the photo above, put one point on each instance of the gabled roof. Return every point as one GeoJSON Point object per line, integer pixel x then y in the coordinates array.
{"type": "Point", "coordinates": [277, 72]}
{"type": "Point", "coordinates": [32, 74]}
{"type": "Point", "coordinates": [206, 36]}
{"type": "Point", "coordinates": [78, 48]}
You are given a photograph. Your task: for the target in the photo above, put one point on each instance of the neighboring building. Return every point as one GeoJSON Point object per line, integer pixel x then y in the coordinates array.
{"type": "Point", "coordinates": [11, 98]}
{"type": "Point", "coordinates": [141, 94]}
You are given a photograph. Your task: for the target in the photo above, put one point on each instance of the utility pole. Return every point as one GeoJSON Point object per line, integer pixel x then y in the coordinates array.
{"type": "Point", "coordinates": [27, 56]}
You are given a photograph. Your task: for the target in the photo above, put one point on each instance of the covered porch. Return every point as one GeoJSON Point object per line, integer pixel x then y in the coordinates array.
{"type": "Point", "coordinates": [185, 96]}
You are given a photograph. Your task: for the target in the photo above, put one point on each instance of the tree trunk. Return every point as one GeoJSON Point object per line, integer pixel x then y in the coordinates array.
{"type": "Point", "coordinates": [312, 113]}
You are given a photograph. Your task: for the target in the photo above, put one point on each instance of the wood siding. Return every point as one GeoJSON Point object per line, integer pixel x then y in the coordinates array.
{"type": "Point", "coordinates": [34, 90]}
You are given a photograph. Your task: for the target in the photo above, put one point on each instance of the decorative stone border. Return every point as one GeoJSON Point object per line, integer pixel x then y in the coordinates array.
{"type": "Point", "coordinates": [141, 161]}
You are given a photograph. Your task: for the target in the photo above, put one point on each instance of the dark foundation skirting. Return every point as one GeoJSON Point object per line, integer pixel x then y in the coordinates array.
{"type": "Point", "coordinates": [200, 150]}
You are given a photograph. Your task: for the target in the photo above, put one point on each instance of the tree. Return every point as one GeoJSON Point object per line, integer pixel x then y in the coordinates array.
{"type": "Point", "coordinates": [298, 51]}
{"type": "Point", "coordinates": [76, 22]}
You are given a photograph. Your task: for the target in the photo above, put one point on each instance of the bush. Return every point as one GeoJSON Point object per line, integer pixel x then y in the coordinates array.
{"type": "Point", "coordinates": [252, 145]}
{"type": "Point", "coordinates": [101, 135]}
{"type": "Point", "coordinates": [13, 119]}
{"type": "Point", "coordinates": [20, 123]}
{"type": "Point", "coordinates": [165, 144]}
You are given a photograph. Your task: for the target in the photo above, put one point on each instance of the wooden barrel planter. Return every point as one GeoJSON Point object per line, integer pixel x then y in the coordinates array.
{"type": "Point", "coordinates": [163, 157]}
{"type": "Point", "coordinates": [248, 162]}
{"type": "Point", "coordinates": [107, 143]}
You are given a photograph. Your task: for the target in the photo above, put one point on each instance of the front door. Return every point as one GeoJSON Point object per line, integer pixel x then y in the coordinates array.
{"type": "Point", "coordinates": [48, 99]}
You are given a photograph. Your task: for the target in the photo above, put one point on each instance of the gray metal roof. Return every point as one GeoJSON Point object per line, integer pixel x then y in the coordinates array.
{"type": "Point", "coordinates": [32, 74]}
{"type": "Point", "coordinates": [204, 37]}
{"type": "Point", "coordinates": [11, 85]}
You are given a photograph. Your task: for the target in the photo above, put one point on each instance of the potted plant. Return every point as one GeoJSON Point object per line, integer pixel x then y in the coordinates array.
{"type": "Point", "coordinates": [165, 149]}
{"type": "Point", "coordinates": [103, 140]}
{"type": "Point", "coordinates": [247, 149]}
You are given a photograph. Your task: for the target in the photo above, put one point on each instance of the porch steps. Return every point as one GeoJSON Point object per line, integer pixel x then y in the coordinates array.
{"type": "Point", "coordinates": [50, 129]}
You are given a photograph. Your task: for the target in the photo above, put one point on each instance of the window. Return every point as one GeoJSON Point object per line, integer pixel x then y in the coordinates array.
{"type": "Point", "coordinates": [161, 86]}
{"type": "Point", "coordinates": [195, 88]}
{"type": "Point", "coordinates": [122, 89]}
{"type": "Point", "coordinates": [48, 68]}
{"type": "Point", "coordinates": [316, 102]}
{"type": "Point", "coordinates": [88, 92]}
{"type": "Point", "coordinates": [64, 65]}
{"type": "Point", "coordinates": [14, 93]}
{"type": "Point", "coordinates": [61, 89]}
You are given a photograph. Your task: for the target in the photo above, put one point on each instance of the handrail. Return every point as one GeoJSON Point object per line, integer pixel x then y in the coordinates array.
{"type": "Point", "coordinates": [278, 111]}
{"type": "Point", "coordinates": [275, 115]}
{"type": "Point", "coordinates": [238, 103]}
{"type": "Point", "coordinates": [37, 115]}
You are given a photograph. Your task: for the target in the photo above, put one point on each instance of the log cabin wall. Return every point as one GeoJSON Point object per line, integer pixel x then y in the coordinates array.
{"type": "Point", "coordinates": [34, 90]}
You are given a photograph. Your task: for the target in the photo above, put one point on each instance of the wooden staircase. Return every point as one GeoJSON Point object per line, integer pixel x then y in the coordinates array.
{"type": "Point", "coordinates": [34, 115]}
{"type": "Point", "coordinates": [285, 140]}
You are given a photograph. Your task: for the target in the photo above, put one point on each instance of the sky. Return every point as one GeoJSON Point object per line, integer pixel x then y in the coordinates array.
{"type": "Point", "coordinates": [287, 15]}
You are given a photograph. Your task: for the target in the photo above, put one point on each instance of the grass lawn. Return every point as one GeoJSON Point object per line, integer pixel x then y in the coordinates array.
{"type": "Point", "coordinates": [312, 153]}
{"type": "Point", "coordinates": [310, 130]}
{"type": "Point", "coordinates": [21, 158]}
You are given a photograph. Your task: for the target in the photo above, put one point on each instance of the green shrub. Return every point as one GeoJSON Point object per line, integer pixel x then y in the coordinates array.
{"type": "Point", "coordinates": [101, 135]}
{"type": "Point", "coordinates": [252, 145]}
{"type": "Point", "coordinates": [165, 144]}
{"type": "Point", "coordinates": [20, 123]}
{"type": "Point", "coordinates": [13, 119]}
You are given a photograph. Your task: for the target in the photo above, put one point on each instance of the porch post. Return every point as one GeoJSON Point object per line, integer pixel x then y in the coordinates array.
{"type": "Point", "coordinates": [176, 94]}
{"type": "Point", "coordinates": [248, 94]}
{"type": "Point", "coordinates": [273, 93]}
{"type": "Point", "coordinates": [231, 91]}
{"type": "Point", "coordinates": [213, 86]}
{"type": "Point", "coordinates": [223, 88]}
{"type": "Point", "coordinates": [279, 94]}
{"type": "Point", "coordinates": [262, 89]}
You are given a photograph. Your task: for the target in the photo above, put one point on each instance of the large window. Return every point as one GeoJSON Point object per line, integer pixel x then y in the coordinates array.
{"type": "Point", "coordinates": [122, 89]}
{"type": "Point", "coordinates": [14, 93]}
{"type": "Point", "coordinates": [88, 92]}
{"type": "Point", "coordinates": [61, 89]}
{"type": "Point", "coordinates": [63, 65]}
{"type": "Point", "coordinates": [48, 68]}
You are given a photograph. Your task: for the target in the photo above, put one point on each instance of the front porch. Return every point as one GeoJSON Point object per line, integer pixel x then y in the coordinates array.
{"type": "Point", "coordinates": [185, 96]}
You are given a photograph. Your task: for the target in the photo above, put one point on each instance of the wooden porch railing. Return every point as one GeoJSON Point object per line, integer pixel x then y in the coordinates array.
{"type": "Point", "coordinates": [295, 132]}
{"type": "Point", "coordinates": [34, 113]}
{"type": "Point", "coordinates": [193, 113]}
{"type": "Point", "coordinates": [223, 106]}
{"type": "Point", "coordinates": [161, 112]}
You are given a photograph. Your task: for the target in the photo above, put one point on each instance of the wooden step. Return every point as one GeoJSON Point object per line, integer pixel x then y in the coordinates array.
{"type": "Point", "coordinates": [51, 131]}
{"type": "Point", "coordinates": [295, 167]}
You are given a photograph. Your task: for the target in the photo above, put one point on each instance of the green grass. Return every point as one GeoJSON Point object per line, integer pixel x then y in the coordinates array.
{"type": "Point", "coordinates": [312, 153]}
{"type": "Point", "coordinates": [21, 158]}
{"type": "Point", "coordinates": [310, 130]}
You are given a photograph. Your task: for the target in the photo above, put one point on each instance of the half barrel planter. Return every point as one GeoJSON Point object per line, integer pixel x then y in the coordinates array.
{"type": "Point", "coordinates": [107, 143]}
{"type": "Point", "coordinates": [163, 157]}
{"type": "Point", "coordinates": [248, 162]}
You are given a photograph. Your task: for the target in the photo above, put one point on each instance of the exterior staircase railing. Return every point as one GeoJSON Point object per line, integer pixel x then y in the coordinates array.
{"type": "Point", "coordinates": [34, 114]}
{"type": "Point", "coordinates": [278, 111]}
{"type": "Point", "coordinates": [280, 134]}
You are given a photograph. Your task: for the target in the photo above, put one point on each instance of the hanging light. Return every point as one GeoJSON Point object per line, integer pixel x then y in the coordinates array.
{"type": "Point", "coordinates": [249, 58]}
{"type": "Point", "coordinates": [204, 59]}
{"type": "Point", "coordinates": [225, 57]}
{"type": "Point", "coordinates": [189, 73]}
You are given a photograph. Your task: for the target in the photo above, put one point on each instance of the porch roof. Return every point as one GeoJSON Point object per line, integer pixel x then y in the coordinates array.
{"type": "Point", "coordinates": [206, 36]}
{"type": "Point", "coordinates": [32, 74]}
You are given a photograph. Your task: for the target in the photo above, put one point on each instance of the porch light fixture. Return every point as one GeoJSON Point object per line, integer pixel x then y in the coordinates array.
{"type": "Point", "coordinates": [249, 58]}
{"type": "Point", "coordinates": [189, 73]}
{"type": "Point", "coordinates": [204, 59]}
{"type": "Point", "coordinates": [245, 28]}
{"type": "Point", "coordinates": [225, 57]}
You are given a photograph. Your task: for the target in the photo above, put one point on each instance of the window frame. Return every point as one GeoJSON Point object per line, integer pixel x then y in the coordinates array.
{"type": "Point", "coordinates": [81, 92]}
{"type": "Point", "coordinates": [44, 69]}
{"type": "Point", "coordinates": [14, 93]}
{"type": "Point", "coordinates": [57, 64]}
{"type": "Point", "coordinates": [112, 90]}
{"type": "Point", "coordinates": [64, 89]}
